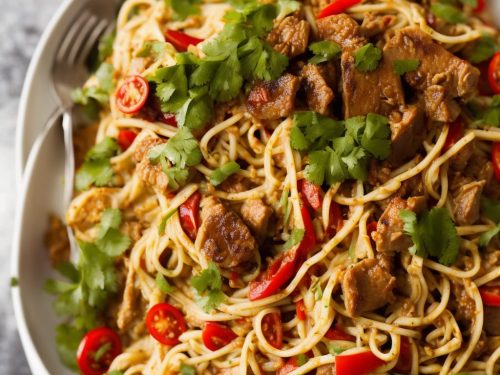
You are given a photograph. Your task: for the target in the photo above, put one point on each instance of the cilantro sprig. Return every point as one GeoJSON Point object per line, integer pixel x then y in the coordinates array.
{"type": "Point", "coordinates": [221, 174]}
{"type": "Point", "coordinates": [447, 12]}
{"type": "Point", "coordinates": [340, 150]}
{"type": "Point", "coordinates": [433, 234]}
{"type": "Point", "coordinates": [181, 151]}
{"type": "Point", "coordinates": [90, 283]}
{"type": "Point", "coordinates": [367, 58]}
{"type": "Point", "coordinates": [208, 288]}
{"type": "Point", "coordinates": [483, 49]}
{"type": "Point", "coordinates": [183, 9]}
{"type": "Point", "coordinates": [406, 66]}
{"type": "Point", "coordinates": [323, 51]}
{"type": "Point", "coordinates": [236, 56]}
{"type": "Point", "coordinates": [96, 169]}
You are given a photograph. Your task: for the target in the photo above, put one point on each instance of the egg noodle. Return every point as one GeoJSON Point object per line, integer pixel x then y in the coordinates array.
{"type": "Point", "coordinates": [438, 343]}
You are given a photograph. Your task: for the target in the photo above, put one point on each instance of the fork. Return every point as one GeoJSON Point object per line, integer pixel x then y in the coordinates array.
{"type": "Point", "coordinates": [68, 73]}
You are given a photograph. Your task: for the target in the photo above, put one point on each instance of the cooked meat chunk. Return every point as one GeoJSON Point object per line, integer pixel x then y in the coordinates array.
{"type": "Point", "coordinates": [459, 161]}
{"type": "Point", "coordinates": [290, 36]}
{"type": "Point", "coordinates": [256, 214]}
{"type": "Point", "coordinates": [374, 24]}
{"type": "Point", "coordinates": [368, 286]}
{"type": "Point", "coordinates": [274, 99]}
{"type": "Point", "coordinates": [342, 30]}
{"type": "Point", "coordinates": [492, 320]}
{"type": "Point", "coordinates": [129, 308]}
{"type": "Point", "coordinates": [438, 106]}
{"type": "Point", "coordinates": [389, 235]}
{"type": "Point", "coordinates": [224, 238]}
{"type": "Point", "coordinates": [86, 209]}
{"type": "Point", "coordinates": [466, 202]}
{"type": "Point", "coordinates": [466, 308]}
{"type": "Point", "coordinates": [319, 95]}
{"type": "Point", "coordinates": [407, 133]}
{"type": "Point", "coordinates": [235, 184]}
{"type": "Point", "coordinates": [57, 241]}
{"type": "Point", "coordinates": [445, 76]}
{"type": "Point", "coordinates": [326, 370]}
{"type": "Point", "coordinates": [150, 173]}
{"type": "Point", "coordinates": [379, 91]}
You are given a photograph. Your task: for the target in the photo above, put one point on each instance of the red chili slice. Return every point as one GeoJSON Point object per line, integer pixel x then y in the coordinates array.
{"type": "Point", "coordinates": [309, 241]}
{"type": "Point", "coordinates": [337, 7]}
{"type": "Point", "coordinates": [494, 73]}
{"type": "Point", "coordinates": [490, 295]}
{"type": "Point", "coordinates": [335, 221]}
{"type": "Point", "coordinates": [132, 95]}
{"type": "Point", "coordinates": [126, 138]}
{"type": "Point", "coordinates": [404, 362]}
{"type": "Point", "coordinates": [455, 132]}
{"type": "Point", "coordinates": [300, 309]}
{"type": "Point", "coordinates": [273, 329]}
{"type": "Point", "coordinates": [495, 158]}
{"type": "Point", "coordinates": [169, 119]}
{"type": "Point", "coordinates": [481, 5]}
{"type": "Point", "coordinates": [312, 193]}
{"type": "Point", "coordinates": [370, 228]}
{"type": "Point", "coordinates": [336, 333]}
{"type": "Point", "coordinates": [190, 216]}
{"type": "Point", "coordinates": [165, 323]}
{"type": "Point", "coordinates": [98, 348]}
{"type": "Point", "coordinates": [216, 336]}
{"type": "Point", "coordinates": [180, 40]}
{"type": "Point", "coordinates": [290, 365]}
{"type": "Point", "coordinates": [359, 363]}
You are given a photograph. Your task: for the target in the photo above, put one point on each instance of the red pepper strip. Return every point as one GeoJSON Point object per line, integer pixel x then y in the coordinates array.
{"type": "Point", "coordinates": [357, 364]}
{"type": "Point", "coordinates": [180, 40]}
{"type": "Point", "coordinates": [300, 309]}
{"type": "Point", "coordinates": [337, 7]}
{"type": "Point", "coordinates": [494, 73]}
{"type": "Point", "coordinates": [371, 227]}
{"type": "Point", "coordinates": [455, 132]}
{"type": "Point", "coordinates": [490, 295]}
{"type": "Point", "coordinates": [312, 193]}
{"type": "Point", "coordinates": [272, 328]}
{"type": "Point", "coordinates": [169, 119]}
{"type": "Point", "coordinates": [189, 215]}
{"type": "Point", "coordinates": [336, 333]}
{"type": "Point", "coordinates": [335, 222]}
{"type": "Point", "coordinates": [309, 241]}
{"type": "Point", "coordinates": [404, 362]}
{"type": "Point", "coordinates": [216, 336]}
{"type": "Point", "coordinates": [126, 138]}
{"type": "Point", "coordinates": [495, 158]}
{"type": "Point", "coordinates": [481, 5]}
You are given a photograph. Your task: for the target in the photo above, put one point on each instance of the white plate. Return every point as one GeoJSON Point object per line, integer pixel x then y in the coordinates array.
{"type": "Point", "coordinates": [41, 195]}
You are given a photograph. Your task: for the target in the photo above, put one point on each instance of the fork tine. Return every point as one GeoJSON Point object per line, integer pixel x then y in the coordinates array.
{"type": "Point", "coordinates": [81, 37]}
{"type": "Point", "coordinates": [71, 33]}
{"type": "Point", "coordinates": [91, 41]}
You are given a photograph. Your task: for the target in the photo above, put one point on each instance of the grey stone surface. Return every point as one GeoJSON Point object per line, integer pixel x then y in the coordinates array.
{"type": "Point", "coordinates": [21, 24]}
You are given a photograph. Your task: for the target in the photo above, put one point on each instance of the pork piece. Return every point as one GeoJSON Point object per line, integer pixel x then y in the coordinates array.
{"type": "Point", "coordinates": [389, 235]}
{"type": "Point", "coordinates": [492, 320]}
{"type": "Point", "coordinates": [466, 308]}
{"type": "Point", "coordinates": [466, 202]}
{"type": "Point", "coordinates": [256, 214]}
{"type": "Point", "coordinates": [342, 30]}
{"type": "Point", "coordinates": [319, 95]}
{"type": "Point", "coordinates": [290, 36]}
{"type": "Point", "coordinates": [150, 173]}
{"type": "Point", "coordinates": [441, 75]}
{"type": "Point", "coordinates": [235, 184]}
{"type": "Point", "coordinates": [379, 91]}
{"type": "Point", "coordinates": [224, 238]}
{"type": "Point", "coordinates": [376, 24]}
{"type": "Point", "coordinates": [326, 370]}
{"type": "Point", "coordinates": [273, 100]}
{"type": "Point", "coordinates": [130, 307]}
{"type": "Point", "coordinates": [56, 239]}
{"type": "Point", "coordinates": [368, 285]}
{"type": "Point", "coordinates": [407, 133]}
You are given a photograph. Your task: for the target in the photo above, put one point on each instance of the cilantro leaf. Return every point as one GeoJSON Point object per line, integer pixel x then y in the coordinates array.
{"type": "Point", "coordinates": [110, 240]}
{"type": "Point", "coordinates": [323, 51]}
{"type": "Point", "coordinates": [406, 66]}
{"type": "Point", "coordinates": [376, 135]}
{"type": "Point", "coordinates": [312, 131]}
{"type": "Point", "coordinates": [434, 234]}
{"type": "Point", "coordinates": [227, 81]}
{"type": "Point", "coordinates": [486, 237]}
{"type": "Point", "coordinates": [447, 12]}
{"type": "Point", "coordinates": [208, 285]}
{"type": "Point", "coordinates": [286, 7]}
{"type": "Point", "coordinates": [367, 58]}
{"type": "Point", "coordinates": [163, 284]}
{"type": "Point", "coordinates": [183, 9]}
{"type": "Point", "coordinates": [295, 238]}
{"type": "Point", "coordinates": [96, 169]}
{"type": "Point", "coordinates": [153, 48]}
{"type": "Point", "coordinates": [484, 48]}
{"type": "Point", "coordinates": [187, 370]}
{"type": "Point", "coordinates": [472, 3]}
{"type": "Point", "coordinates": [491, 209]}
{"type": "Point", "coordinates": [221, 174]}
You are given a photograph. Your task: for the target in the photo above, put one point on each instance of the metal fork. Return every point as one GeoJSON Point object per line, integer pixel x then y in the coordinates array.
{"type": "Point", "coordinates": [69, 72]}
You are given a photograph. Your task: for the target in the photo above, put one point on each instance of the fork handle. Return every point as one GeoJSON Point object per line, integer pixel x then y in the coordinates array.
{"type": "Point", "coordinates": [69, 175]}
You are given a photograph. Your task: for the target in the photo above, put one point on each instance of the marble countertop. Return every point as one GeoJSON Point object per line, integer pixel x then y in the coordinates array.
{"type": "Point", "coordinates": [21, 24]}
